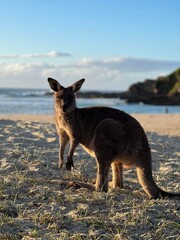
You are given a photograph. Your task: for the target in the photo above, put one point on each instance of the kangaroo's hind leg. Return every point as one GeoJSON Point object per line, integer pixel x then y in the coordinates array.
{"type": "Point", "coordinates": [102, 176]}
{"type": "Point", "coordinates": [109, 140]}
{"type": "Point", "coordinates": [117, 175]}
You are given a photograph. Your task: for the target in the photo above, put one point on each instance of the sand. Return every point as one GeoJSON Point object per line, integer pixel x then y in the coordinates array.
{"type": "Point", "coordinates": [36, 201]}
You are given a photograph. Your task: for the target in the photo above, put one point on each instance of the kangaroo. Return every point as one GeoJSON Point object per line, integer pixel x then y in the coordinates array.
{"type": "Point", "coordinates": [112, 136]}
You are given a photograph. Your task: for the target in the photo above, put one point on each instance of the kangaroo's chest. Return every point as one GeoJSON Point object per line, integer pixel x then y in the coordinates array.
{"type": "Point", "coordinates": [66, 126]}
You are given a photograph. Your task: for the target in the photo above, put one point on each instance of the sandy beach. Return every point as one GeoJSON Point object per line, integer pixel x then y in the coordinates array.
{"type": "Point", "coordinates": [164, 124]}
{"type": "Point", "coordinates": [37, 203]}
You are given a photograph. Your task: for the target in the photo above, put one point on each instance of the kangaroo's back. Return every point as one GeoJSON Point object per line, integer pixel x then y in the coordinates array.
{"type": "Point", "coordinates": [88, 120]}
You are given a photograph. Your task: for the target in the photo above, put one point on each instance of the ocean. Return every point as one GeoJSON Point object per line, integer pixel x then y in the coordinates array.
{"type": "Point", "coordinates": [30, 101]}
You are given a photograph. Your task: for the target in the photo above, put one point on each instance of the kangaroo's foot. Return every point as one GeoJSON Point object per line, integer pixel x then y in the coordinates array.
{"type": "Point", "coordinates": [112, 185]}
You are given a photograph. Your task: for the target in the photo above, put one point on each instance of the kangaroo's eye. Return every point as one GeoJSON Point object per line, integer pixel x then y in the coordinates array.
{"type": "Point", "coordinates": [60, 97]}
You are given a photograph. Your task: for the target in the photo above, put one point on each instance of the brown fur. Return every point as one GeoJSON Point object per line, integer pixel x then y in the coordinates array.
{"type": "Point", "coordinates": [112, 136]}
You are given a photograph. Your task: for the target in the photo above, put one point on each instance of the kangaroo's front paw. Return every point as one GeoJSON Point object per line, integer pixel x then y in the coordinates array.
{"type": "Point", "coordinates": [69, 165]}
{"type": "Point", "coordinates": [60, 163]}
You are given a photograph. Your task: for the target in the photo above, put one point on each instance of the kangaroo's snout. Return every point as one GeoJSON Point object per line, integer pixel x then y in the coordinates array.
{"type": "Point", "coordinates": [64, 108]}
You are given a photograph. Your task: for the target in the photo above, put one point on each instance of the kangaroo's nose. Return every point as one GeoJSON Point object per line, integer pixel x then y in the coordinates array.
{"type": "Point", "coordinates": [64, 108]}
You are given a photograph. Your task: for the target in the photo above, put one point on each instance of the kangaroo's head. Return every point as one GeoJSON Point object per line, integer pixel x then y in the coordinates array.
{"type": "Point", "coordinates": [65, 97]}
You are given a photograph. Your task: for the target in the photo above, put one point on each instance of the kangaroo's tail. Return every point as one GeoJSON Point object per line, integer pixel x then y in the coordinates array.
{"type": "Point", "coordinates": [146, 180]}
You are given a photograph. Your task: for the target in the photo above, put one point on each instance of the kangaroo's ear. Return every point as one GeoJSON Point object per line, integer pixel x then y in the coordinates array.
{"type": "Point", "coordinates": [54, 85]}
{"type": "Point", "coordinates": [77, 85]}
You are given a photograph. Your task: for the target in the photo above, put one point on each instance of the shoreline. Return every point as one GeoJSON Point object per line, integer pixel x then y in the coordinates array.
{"type": "Point", "coordinates": [164, 124]}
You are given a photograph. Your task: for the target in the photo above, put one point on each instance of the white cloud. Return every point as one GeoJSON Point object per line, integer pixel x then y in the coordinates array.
{"type": "Point", "coordinates": [127, 64]}
{"type": "Point", "coordinates": [51, 54]}
{"type": "Point", "coordinates": [9, 56]}
{"type": "Point", "coordinates": [104, 74]}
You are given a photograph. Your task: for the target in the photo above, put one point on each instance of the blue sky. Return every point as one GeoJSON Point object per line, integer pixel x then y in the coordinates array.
{"type": "Point", "coordinates": [112, 43]}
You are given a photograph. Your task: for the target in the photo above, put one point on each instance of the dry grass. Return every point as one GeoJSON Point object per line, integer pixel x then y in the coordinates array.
{"type": "Point", "coordinates": [35, 202]}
